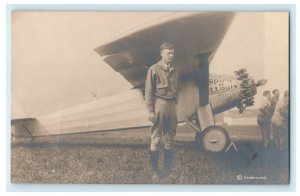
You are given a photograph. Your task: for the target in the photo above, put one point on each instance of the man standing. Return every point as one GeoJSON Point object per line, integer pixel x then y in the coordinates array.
{"type": "Point", "coordinates": [264, 118]}
{"type": "Point", "coordinates": [280, 123]}
{"type": "Point", "coordinates": [274, 99]}
{"type": "Point", "coordinates": [161, 95]}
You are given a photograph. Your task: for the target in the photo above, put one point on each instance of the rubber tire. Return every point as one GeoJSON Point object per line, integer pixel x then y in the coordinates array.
{"type": "Point", "coordinates": [208, 130]}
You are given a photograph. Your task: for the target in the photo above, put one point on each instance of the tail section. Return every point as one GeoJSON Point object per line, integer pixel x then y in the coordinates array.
{"type": "Point", "coordinates": [20, 128]}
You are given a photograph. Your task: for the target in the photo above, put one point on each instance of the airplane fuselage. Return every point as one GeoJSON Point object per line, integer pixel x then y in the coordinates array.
{"type": "Point", "coordinates": [127, 109]}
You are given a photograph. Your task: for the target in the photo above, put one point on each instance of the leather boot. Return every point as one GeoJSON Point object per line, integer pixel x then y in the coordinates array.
{"type": "Point", "coordinates": [168, 160]}
{"type": "Point", "coordinates": [154, 157]}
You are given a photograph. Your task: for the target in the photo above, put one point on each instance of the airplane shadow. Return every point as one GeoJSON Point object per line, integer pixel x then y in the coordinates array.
{"type": "Point", "coordinates": [70, 144]}
{"type": "Point", "coordinates": [77, 145]}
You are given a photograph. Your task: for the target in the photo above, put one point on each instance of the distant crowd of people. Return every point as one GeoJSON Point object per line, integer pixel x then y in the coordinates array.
{"type": "Point", "coordinates": [273, 119]}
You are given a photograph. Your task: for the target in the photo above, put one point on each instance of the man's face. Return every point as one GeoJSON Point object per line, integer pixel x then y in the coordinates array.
{"type": "Point", "coordinates": [268, 95]}
{"type": "Point", "coordinates": [276, 93]}
{"type": "Point", "coordinates": [167, 55]}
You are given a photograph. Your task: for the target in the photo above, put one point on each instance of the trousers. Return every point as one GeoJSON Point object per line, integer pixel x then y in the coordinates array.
{"type": "Point", "coordinates": [164, 125]}
{"type": "Point", "coordinates": [280, 136]}
{"type": "Point", "coordinates": [265, 126]}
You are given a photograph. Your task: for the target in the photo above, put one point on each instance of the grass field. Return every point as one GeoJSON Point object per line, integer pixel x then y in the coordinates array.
{"type": "Point", "coordinates": [123, 158]}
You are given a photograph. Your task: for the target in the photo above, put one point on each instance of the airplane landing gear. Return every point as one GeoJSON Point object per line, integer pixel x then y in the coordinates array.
{"type": "Point", "coordinates": [213, 139]}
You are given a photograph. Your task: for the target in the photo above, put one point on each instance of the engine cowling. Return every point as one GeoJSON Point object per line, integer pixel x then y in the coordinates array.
{"type": "Point", "coordinates": [226, 93]}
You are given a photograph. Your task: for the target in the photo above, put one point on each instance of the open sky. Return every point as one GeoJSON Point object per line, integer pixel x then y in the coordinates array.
{"type": "Point", "coordinates": [54, 66]}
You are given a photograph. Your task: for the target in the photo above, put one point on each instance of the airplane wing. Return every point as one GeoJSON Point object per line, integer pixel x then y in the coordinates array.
{"type": "Point", "coordinates": [193, 34]}
{"type": "Point", "coordinates": [196, 37]}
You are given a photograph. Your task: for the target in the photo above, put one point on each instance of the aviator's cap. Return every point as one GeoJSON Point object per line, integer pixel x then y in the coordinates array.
{"type": "Point", "coordinates": [287, 93]}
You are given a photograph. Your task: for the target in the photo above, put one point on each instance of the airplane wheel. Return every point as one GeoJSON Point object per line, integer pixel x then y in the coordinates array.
{"type": "Point", "coordinates": [214, 139]}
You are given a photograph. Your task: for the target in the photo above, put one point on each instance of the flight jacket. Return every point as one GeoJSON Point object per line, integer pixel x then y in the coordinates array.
{"type": "Point", "coordinates": [162, 83]}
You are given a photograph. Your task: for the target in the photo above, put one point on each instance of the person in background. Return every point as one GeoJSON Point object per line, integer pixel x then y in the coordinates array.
{"type": "Point", "coordinates": [264, 118]}
{"type": "Point", "coordinates": [274, 99]}
{"type": "Point", "coordinates": [280, 123]}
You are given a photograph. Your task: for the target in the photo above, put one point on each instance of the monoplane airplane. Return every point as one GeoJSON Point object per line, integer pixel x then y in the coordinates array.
{"type": "Point", "coordinates": [196, 37]}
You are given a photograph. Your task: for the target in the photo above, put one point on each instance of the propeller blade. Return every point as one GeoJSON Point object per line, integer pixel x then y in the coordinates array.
{"type": "Point", "coordinates": [261, 82]}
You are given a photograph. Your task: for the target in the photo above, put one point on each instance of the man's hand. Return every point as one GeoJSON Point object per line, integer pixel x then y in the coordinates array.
{"type": "Point", "coordinates": [152, 117]}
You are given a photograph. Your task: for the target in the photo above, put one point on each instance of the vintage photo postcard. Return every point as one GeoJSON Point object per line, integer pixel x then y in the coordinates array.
{"type": "Point", "coordinates": [150, 97]}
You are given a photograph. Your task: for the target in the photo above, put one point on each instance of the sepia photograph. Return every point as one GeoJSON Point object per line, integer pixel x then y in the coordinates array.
{"type": "Point", "coordinates": [150, 97]}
